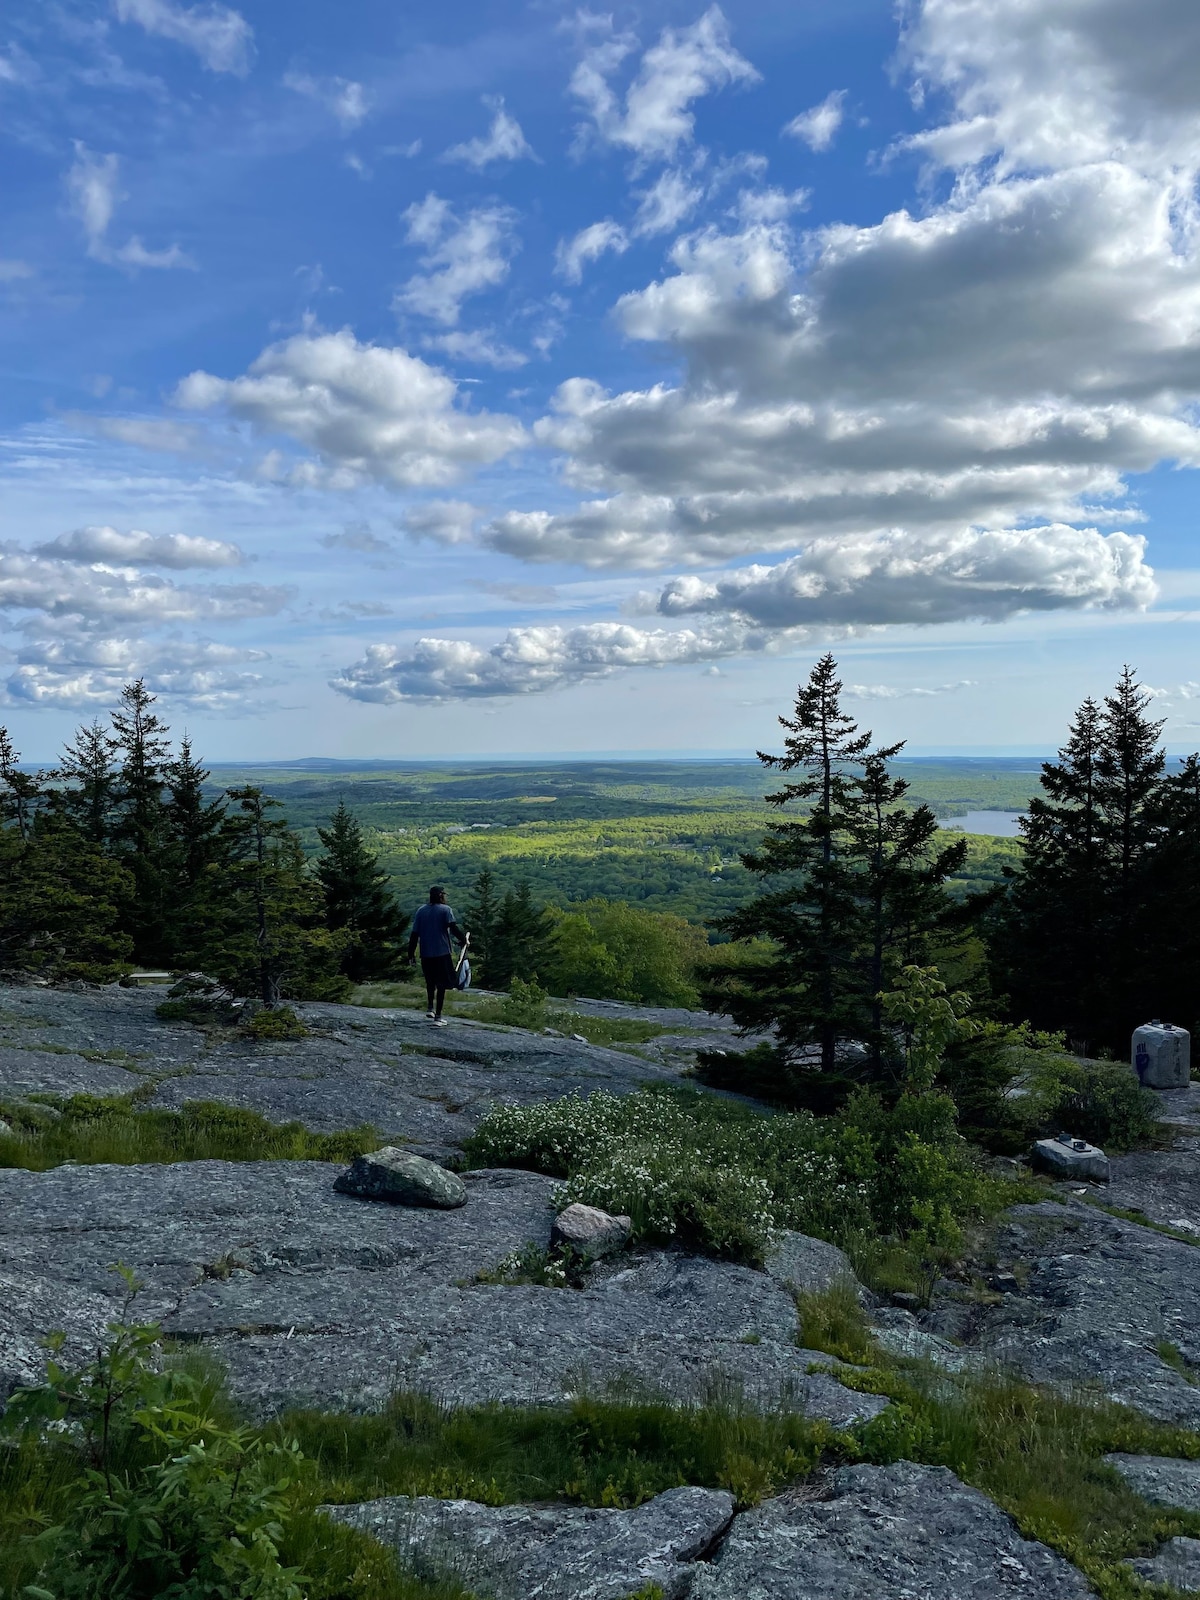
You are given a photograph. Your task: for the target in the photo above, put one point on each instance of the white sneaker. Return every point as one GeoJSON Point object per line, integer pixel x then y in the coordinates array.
{"type": "Point", "coordinates": [439, 1022]}
{"type": "Point", "coordinates": [430, 1016]}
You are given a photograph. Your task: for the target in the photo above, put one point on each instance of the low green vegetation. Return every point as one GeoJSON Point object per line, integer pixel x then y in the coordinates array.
{"type": "Point", "coordinates": [156, 1487]}
{"type": "Point", "coordinates": [714, 1175]}
{"type": "Point", "coordinates": [91, 1129]}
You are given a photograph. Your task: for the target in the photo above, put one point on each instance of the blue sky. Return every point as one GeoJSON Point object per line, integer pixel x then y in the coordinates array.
{"type": "Point", "coordinates": [406, 380]}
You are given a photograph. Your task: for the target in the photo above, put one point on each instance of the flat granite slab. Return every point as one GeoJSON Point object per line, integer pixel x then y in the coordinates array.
{"type": "Point", "coordinates": [416, 1084]}
{"type": "Point", "coordinates": [550, 1552]}
{"type": "Point", "coordinates": [314, 1297]}
{"type": "Point", "coordinates": [1097, 1297]}
{"type": "Point", "coordinates": [1163, 1480]}
{"type": "Point", "coordinates": [902, 1532]}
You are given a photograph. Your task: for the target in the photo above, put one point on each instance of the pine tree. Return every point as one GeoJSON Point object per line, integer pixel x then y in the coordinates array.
{"type": "Point", "coordinates": [482, 915]}
{"type": "Point", "coordinates": [1071, 938]}
{"type": "Point", "coordinates": [271, 939]}
{"type": "Point", "coordinates": [139, 830]}
{"type": "Point", "coordinates": [900, 890]}
{"type": "Point", "coordinates": [1168, 931]}
{"type": "Point", "coordinates": [358, 901]}
{"type": "Point", "coordinates": [853, 891]}
{"type": "Point", "coordinates": [19, 792]}
{"type": "Point", "coordinates": [823, 743]}
{"type": "Point", "coordinates": [194, 825]}
{"type": "Point", "coordinates": [86, 768]}
{"type": "Point", "coordinates": [521, 940]}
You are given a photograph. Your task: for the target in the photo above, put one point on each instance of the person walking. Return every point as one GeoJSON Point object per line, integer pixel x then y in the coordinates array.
{"type": "Point", "coordinates": [432, 928]}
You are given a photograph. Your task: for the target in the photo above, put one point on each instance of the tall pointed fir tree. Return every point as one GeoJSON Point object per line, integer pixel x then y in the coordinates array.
{"type": "Point", "coordinates": [1068, 942]}
{"type": "Point", "coordinates": [269, 939]}
{"type": "Point", "coordinates": [901, 874]}
{"type": "Point", "coordinates": [482, 914]}
{"type": "Point", "coordinates": [197, 845]}
{"type": "Point", "coordinates": [358, 901]}
{"type": "Point", "coordinates": [520, 941]}
{"type": "Point", "coordinates": [62, 901]}
{"type": "Point", "coordinates": [139, 828]}
{"type": "Point", "coordinates": [852, 890]}
{"type": "Point", "coordinates": [1167, 934]}
{"type": "Point", "coordinates": [86, 780]}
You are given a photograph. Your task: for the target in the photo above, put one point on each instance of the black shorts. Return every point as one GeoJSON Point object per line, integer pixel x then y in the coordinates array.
{"type": "Point", "coordinates": [439, 971]}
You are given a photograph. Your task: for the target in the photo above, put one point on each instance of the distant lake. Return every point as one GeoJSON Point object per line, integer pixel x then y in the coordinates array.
{"type": "Point", "coordinates": [1000, 824]}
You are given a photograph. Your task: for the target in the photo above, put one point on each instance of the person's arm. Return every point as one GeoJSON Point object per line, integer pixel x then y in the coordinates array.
{"type": "Point", "coordinates": [461, 934]}
{"type": "Point", "coordinates": [414, 936]}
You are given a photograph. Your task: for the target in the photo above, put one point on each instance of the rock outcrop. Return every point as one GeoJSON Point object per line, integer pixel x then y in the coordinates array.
{"type": "Point", "coordinates": [885, 1532]}
{"type": "Point", "coordinates": [311, 1296]}
{"type": "Point", "coordinates": [550, 1552]}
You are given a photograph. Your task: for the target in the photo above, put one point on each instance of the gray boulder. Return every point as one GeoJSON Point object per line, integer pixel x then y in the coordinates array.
{"type": "Point", "coordinates": [405, 1180]}
{"type": "Point", "coordinates": [1163, 1480]}
{"type": "Point", "coordinates": [1076, 1159]}
{"type": "Point", "coordinates": [1177, 1563]}
{"type": "Point", "coordinates": [550, 1552]}
{"type": "Point", "coordinates": [808, 1266]}
{"type": "Point", "coordinates": [887, 1532]}
{"type": "Point", "coordinates": [590, 1231]}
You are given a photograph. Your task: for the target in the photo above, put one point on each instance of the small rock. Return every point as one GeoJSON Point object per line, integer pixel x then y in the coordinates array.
{"type": "Point", "coordinates": [404, 1179]}
{"type": "Point", "coordinates": [1076, 1159]}
{"type": "Point", "coordinates": [591, 1231]}
{"type": "Point", "coordinates": [552, 1033]}
{"type": "Point", "coordinates": [551, 1552]}
{"type": "Point", "coordinates": [5, 1129]}
{"type": "Point", "coordinates": [906, 1301]}
{"type": "Point", "coordinates": [1177, 1563]}
{"type": "Point", "coordinates": [579, 1038]}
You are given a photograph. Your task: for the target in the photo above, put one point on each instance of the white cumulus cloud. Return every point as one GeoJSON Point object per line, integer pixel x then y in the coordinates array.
{"type": "Point", "coordinates": [366, 411]}
{"type": "Point", "coordinates": [531, 660]}
{"type": "Point", "coordinates": [504, 141]}
{"type": "Point", "coordinates": [88, 672]}
{"type": "Point", "coordinates": [463, 255]}
{"type": "Point", "coordinates": [221, 37]}
{"type": "Point", "coordinates": [588, 245]}
{"type": "Point", "coordinates": [654, 118]}
{"type": "Point", "coordinates": [817, 127]}
{"type": "Point", "coordinates": [136, 548]}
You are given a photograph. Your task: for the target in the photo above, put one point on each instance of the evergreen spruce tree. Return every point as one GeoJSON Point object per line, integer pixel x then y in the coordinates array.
{"type": "Point", "coordinates": [358, 901]}
{"type": "Point", "coordinates": [852, 891]}
{"type": "Point", "coordinates": [86, 781]}
{"type": "Point", "coordinates": [19, 792]}
{"type": "Point", "coordinates": [1168, 931]}
{"type": "Point", "coordinates": [901, 876]}
{"type": "Point", "coordinates": [270, 939]}
{"type": "Point", "coordinates": [482, 916]}
{"type": "Point", "coordinates": [196, 850]}
{"type": "Point", "coordinates": [521, 940]}
{"type": "Point", "coordinates": [140, 830]}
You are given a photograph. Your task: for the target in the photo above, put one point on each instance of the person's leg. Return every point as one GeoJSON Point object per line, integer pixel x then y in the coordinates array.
{"type": "Point", "coordinates": [429, 969]}
{"type": "Point", "coordinates": [441, 1000]}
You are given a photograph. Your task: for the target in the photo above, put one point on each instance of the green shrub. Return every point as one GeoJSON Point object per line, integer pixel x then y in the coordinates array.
{"type": "Point", "coordinates": [275, 1022]}
{"type": "Point", "coordinates": [169, 1497]}
{"type": "Point", "coordinates": [721, 1177]}
{"type": "Point", "coordinates": [523, 1007]}
{"type": "Point", "coordinates": [1013, 1085]}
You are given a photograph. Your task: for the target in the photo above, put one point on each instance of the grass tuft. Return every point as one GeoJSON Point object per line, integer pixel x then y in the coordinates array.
{"type": "Point", "coordinates": [94, 1129]}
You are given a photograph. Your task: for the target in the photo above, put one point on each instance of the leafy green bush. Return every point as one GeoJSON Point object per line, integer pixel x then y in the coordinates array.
{"type": "Point", "coordinates": [275, 1022]}
{"type": "Point", "coordinates": [170, 1497]}
{"type": "Point", "coordinates": [1013, 1085]}
{"type": "Point", "coordinates": [523, 1007]}
{"type": "Point", "coordinates": [720, 1177]}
